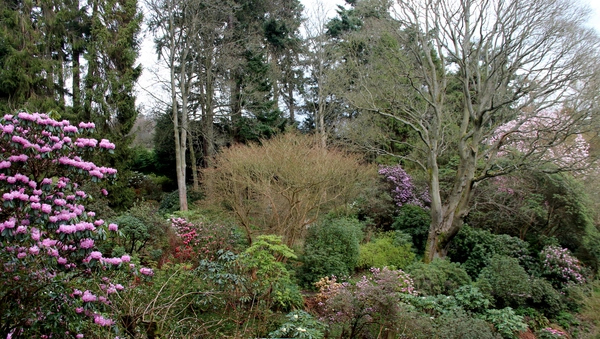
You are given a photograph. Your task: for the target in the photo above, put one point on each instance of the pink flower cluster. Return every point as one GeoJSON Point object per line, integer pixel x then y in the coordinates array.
{"type": "Point", "coordinates": [554, 332]}
{"type": "Point", "coordinates": [48, 230]}
{"type": "Point", "coordinates": [146, 271]}
{"type": "Point", "coordinates": [558, 263]}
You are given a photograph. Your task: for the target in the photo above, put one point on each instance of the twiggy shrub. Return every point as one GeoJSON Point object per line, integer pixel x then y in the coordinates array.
{"type": "Point", "coordinates": [284, 184]}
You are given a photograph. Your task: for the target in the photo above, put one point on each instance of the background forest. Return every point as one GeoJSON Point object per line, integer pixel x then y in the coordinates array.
{"type": "Point", "coordinates": [403, 169]}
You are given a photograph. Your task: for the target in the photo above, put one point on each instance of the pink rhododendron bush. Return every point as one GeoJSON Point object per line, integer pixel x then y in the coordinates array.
{"type": "Point", "coordinates": [53, 280]}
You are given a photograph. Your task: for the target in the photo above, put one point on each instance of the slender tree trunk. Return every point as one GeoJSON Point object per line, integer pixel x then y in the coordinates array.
{"type": "Point", "coordinates": [178, 131]}
{"type": "Point", "coordinates": [76, 82]}
{"type": "Point", "coordinates": [194, 164]}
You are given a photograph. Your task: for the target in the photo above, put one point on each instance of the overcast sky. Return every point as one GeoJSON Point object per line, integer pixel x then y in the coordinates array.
{"type": "Point", "coordinates": [148, 88]}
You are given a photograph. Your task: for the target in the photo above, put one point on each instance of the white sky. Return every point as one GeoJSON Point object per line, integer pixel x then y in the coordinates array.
{"type": "Point", "coordinates": [149, 89]}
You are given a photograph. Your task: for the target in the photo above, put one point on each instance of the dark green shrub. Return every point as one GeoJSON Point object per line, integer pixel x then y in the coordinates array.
{"type": "Point", "coordinates": [438, 277]}
{"type": "Point", "coordinates": [545, 298]}
{"type": "Point", "coordinates": [147, 186]}
{"type": "Point", "coordinates": [384, 251]}
{"type": "Point", "coordinates": [462, 326]}
{"type": "Point", "coordinates": [506, 281]}
{"type": "Point", "coordinates": [471, 299]}
{"type": "Point", "coordinates": [414, 220]}
{"type": "Point", "coordinates": [474, 248]}
{"type": "Point", "coordinates": [331, 248]}
{"type": "Point", "coordinates": [134, 231]}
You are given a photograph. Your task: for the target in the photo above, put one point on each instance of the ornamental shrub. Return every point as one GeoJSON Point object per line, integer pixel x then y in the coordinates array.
{"type": "Point", "coordinates": [561, 268]}
{"type": "Point", "coordinates": [331, 247]}
{"type": "Point", "coordinates": [462, 326]}
{"type": "Point", "coordinates": [438, 277]}
{"type": "Point", "coordinates": [403, 191]}
{"type": "Point", "coordinates": [270, 280]}
{"type": "Point", "coordinates": [506, 281]}
{"type": "Point", "coordinates": [506, 322]}
{"type": "Point", "coordinates": [202, 239]}
{"type": "Point", "coordinates": [370, 305]}
{"type": "Point", "coordinates": [415, 221]}
{"type": "Point", "coordinates": [474, 248]}
{"type": "Point", "coordinates": [383, 251]}
{"type": "Point", "coordinates": [545, 298]}
{"type": "Point", "coordinates": [53, 281]}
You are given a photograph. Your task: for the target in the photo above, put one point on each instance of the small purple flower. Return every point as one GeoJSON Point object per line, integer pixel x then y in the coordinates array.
{"type": "Point", "coordinates": [88, 296]}
{"type": "Point", "coordinates": [86, 243]}
{"type": "Point", "coordinates": [146, 271]}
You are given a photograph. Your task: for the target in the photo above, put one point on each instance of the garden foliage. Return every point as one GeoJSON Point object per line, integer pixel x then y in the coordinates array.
{"type": "Point", "coordinates": [331, 247]}
{"type": "Point", "coordinates": [54, 279]}
{"type": "Point", "coordinates": [438, 277]}
{"type": "Point", "coordinates": [384, 250]}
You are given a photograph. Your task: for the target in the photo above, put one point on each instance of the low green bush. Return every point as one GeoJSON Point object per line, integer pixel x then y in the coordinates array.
{"type": "Point", "coordinates": [383, 251]}
{"type": "Point", "coordinates": [438, 277]}
{"type": "Point", "coordinates": [299, 324]}
{"type": "Point", "coordinates": [474, 248]}
{"type": "Point", "coordinates": [471, 299]}
{"type": "Point", "coordinates": [331, 248]}
{"type": "Point", "coordinates": [462, 326]}
{"type": "Point", "coordinates": [506, 281]}
{"type": "Point", "coordinates": [545, 298]}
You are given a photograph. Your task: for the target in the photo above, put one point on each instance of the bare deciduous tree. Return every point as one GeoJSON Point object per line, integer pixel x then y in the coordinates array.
{"type": "Point", "coordinates": [191, 36]}
{"type": "Point", "coordinates": [458, 71]}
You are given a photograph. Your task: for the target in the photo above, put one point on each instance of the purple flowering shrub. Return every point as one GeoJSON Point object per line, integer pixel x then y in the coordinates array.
{"type": "Point", "coordinates": [403, 190]}
{"type": "Point", "coordinates": [53, 280]}
{"type": "Point", "coordinates": [371, 302]}
{"type": "Point", "coordinates": [561, 268]}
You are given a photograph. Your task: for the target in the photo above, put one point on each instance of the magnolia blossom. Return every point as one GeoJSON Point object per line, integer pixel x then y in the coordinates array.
{"type": "Point", "coordinates": [544, 136]}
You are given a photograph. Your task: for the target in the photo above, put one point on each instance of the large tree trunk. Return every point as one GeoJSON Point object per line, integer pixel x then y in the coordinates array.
{"type": "Point", "coordinates": [447, 218]}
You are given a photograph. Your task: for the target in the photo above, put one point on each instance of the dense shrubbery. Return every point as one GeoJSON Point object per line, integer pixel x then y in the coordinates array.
{"type": "Point", "coordinates": [384, 250]}
{"type": "Point", "coordinates": [331, 247]}
{"type": "Point", "coordinates": [54, 280]}
{"type": "Point", "coordinates": [61, 265]}
{"type": "Point", "coordinates": [506, 281]}
{"type": "Point", "coordinates": [474, 248]}
{"type": "Point", "coordinates": [438, 277]}
{"type": "Point", "coordinates": [202, 238]}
